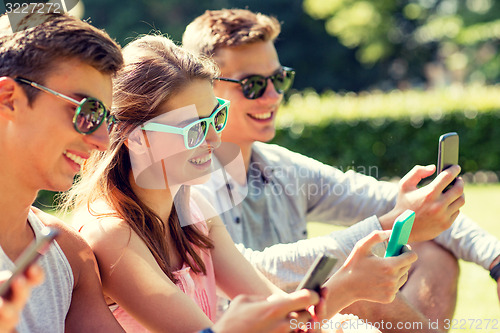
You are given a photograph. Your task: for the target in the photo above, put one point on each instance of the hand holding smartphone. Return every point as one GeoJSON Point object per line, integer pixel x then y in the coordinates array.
{"type": "Point", "coordinates": [447, 154]}
{"type": "Point", "coordinates": [400, 233]}
{"type": "Point", "coordinates": [318, 273]}
{"type": "Point", "coordinates": [30, 255]}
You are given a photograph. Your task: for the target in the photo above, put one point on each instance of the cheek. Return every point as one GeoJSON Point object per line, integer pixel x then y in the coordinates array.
{"type": "Point", "coordinates": [166, 146]}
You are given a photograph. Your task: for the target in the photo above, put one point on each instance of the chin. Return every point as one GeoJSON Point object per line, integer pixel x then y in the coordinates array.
{"type": "Point", "coordinates": [60, 186]}
{"type": "Point", "coordinates": [266, 137]}
{"type": "Point", "coordinates": [199, 180]}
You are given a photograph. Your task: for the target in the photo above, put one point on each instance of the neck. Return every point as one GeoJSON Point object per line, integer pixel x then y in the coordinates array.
{"type": "Point", "coordinates": [246, 153]}
{"type": "Point", "coordinates": [15, 203]}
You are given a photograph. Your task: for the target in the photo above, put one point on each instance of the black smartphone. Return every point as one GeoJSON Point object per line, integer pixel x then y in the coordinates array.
{"type": "Point", "coordinates": [37, 248]}
{"type": "Point", "coordinates": [318, 273]}
{"type": "Point", "coordinates": [447, 154]}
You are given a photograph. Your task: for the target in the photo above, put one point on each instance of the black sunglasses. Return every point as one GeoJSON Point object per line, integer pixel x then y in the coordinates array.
{"type": "Point", "coordinates": [90, 112]}
{"type": "Point", "coordinates": [254, 86]}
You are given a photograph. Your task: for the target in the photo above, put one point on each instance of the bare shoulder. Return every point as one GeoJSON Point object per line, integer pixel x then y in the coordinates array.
{"type": "Point", "coordinates": [102, 231]}
{"type": "Point", "coordinates": [75, 248]}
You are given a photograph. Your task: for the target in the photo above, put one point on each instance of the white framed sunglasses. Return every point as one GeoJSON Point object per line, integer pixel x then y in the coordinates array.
{"type": "Point", "coordinates": [195, 133]}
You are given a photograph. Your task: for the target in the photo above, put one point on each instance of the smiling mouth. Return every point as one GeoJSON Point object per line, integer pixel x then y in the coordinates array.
{"type": "Point", "coordinates": [201, 160]}
{"type": "Point", "coordinates": [75, 158]}
{"type": "Point", "coordinates": [261, 116]}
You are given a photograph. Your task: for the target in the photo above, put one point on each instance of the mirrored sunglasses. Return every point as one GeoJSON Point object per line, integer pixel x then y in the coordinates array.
{"type": "Point", "coordinates": [196, 132]}
{"type": "Point", "coordinates": [90, 112]}
{"type": "Point", "coordinates": [254, 86]}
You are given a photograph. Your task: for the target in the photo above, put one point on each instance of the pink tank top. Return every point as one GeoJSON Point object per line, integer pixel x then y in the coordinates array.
{"type": "Point", "coordinates": [201, 288]}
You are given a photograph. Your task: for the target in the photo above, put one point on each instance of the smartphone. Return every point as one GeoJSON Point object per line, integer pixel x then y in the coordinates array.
{"type": "Point", "coordinates": [447, 154]}
{"type": "Point", "coordinates": [318, 273]}
{"type": "Point", "coordinates": [400, 233]}
{"type": "Point", "coordinates": [37, 248]}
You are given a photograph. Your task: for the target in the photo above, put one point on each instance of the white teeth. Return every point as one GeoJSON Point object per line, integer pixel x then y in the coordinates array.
{"type": "Point", "coordinates": [201, 160]}
{"type": "Point", "coordinates": [265, 115]}
{"type": "Point", "coordinates": [75, 158]}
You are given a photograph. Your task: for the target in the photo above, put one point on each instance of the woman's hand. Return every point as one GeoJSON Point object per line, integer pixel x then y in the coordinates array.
{"type": "Point", "coordinates": [249, 314]}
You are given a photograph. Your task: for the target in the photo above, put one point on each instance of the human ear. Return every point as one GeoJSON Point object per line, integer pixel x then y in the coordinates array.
{"type": "Point", "coordinates": [137, 141]}
{"type": "Point", "coordinates": [7, 96]}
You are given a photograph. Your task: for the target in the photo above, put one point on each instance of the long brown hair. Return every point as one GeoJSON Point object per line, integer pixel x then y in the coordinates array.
{"type": "Point", "coordinates": [154, 70]}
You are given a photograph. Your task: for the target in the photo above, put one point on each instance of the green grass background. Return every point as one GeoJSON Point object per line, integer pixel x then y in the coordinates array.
{"type": "Point", "coordinates": [477, 296]}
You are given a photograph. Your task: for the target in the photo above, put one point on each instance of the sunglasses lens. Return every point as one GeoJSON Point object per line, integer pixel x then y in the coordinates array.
{"type": "Point", "coordinates": [196, 134]}
{"type": "Point", "coordinates": [283, 81]}
{"type": "Point", "coordinates": [254, 86]}
{"type": "Point", "coordinates": [220, 119]}
{"type": "Point", "coordinates": [90, 115]}
{"type": "Point", "coordinates": [111, 120]}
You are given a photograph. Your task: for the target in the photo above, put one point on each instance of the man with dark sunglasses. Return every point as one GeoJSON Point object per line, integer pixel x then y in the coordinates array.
{"type": "Point", "coordinates": [286, 189]}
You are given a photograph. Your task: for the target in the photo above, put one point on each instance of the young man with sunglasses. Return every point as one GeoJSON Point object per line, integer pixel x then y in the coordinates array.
{"type": "Point", "coordinates": [55, 85]}
{"type": "Point", "coordinates": [286, 189]}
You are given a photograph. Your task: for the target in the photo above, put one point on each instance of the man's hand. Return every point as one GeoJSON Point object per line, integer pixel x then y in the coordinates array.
{"type": "Point", "coordinates": [435, 211]}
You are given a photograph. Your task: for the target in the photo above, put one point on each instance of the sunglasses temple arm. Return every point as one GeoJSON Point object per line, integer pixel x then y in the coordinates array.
{"type": "Point", "coordinates": [228, 80]}
{"type": "Point", "coordinates": [55, 93]}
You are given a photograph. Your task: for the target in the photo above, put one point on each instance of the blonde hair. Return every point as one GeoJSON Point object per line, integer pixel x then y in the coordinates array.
{"type": "Point", "coordinates": [215, 29]}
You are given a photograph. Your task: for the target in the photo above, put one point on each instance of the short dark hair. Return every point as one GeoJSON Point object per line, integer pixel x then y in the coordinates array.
{"type": "Point", "coordinates": [215, 29]}
{"type": "Point", "coordinates": [33, 52]}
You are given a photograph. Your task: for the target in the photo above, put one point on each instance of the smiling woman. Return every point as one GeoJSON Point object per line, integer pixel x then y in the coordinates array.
{"type": "Point", "coordinates": [169, 123]}
{"type": "Point", "coordinates": [160, 85]}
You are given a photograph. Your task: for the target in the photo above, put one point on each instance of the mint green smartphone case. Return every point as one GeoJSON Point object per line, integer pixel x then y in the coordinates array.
{"type": "Point", "coordinates": [400, 233]}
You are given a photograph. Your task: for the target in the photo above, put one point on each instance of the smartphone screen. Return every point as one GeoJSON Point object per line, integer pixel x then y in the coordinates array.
{"type": "Point", "coordinates": [318, 273]}
{"type": "Point", "coordinates": [447, 153]}
{"type": "Point", "coordinates": [37, 247]}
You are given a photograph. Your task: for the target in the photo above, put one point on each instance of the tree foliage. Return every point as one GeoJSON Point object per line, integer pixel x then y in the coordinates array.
{"type": "Point", "coordinates": [441, 40]}
{"type": "Point", "coordinates": [320, 60]}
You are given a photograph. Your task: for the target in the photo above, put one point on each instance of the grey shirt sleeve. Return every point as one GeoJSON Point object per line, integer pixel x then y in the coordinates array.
{"type": "Point", "coordinates": [467, 241]}
{"type": "Point", "coordinates": [286, 264]}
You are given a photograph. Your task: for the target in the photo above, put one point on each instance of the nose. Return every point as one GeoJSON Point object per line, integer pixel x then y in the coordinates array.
{"type": "Point", "coordinates": [213, 138]}
{"type": "Point", "coordinates": [99, 139]}
{"type": "Point", "coordinates": [270, 94]}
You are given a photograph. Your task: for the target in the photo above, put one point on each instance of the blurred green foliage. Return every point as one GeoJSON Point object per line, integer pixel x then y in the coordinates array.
{"type": "Point", "coordinates": [320, 60]}
{"type": "Point", "coordinates": [461, 36]}
{"type": "Point", "coordinates": [385, 135]}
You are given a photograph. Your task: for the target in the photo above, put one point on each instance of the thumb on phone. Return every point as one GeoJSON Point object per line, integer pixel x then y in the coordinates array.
{"type": "Point", "coordinates": [365, 245]}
